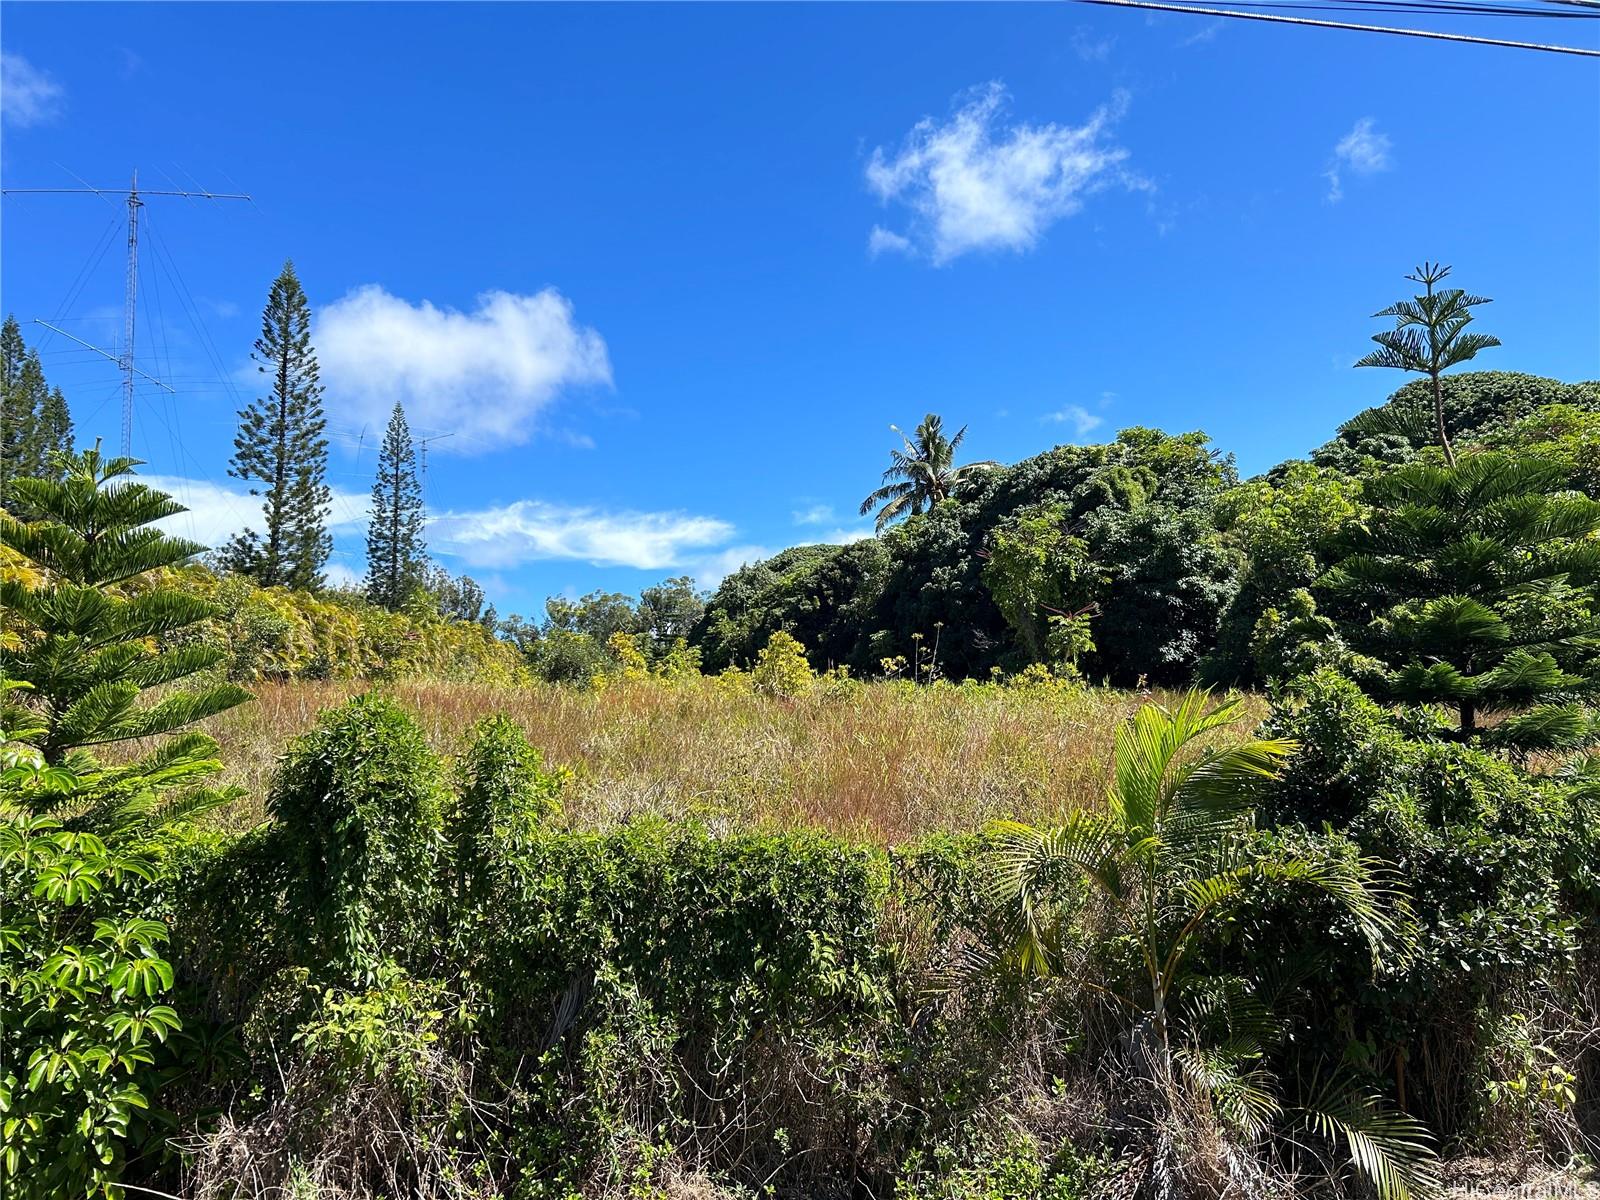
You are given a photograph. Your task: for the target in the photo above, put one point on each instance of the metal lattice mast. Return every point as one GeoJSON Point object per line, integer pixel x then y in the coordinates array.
{"type": "Point", "coordinates": [422, 444]}
{"type": "Point", "coordinates": [130, 311]}
{"type": "Point", "coordinates": [125, 358]}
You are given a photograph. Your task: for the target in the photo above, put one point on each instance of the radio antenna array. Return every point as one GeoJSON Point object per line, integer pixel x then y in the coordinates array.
{"type": "Point", "coordinates": [124, 358]}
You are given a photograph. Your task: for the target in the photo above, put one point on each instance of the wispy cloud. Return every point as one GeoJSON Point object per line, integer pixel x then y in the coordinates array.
{"type": "Point", "coordinates": [712, 569]}
{"type": "Point", "coordinates": [1205, 34]}
{"type": "Point", "coordinates": [847, 537]}
{"type": "Point", "coordinates": [484, 375]}
{"type": "Point", "coordinates": [817, 514]}
{"type": "Point", "coordinates": [533, 530]}
{"type": "Point", "coordinates": [886, 241]}
{"type": "Point", "coordinates": [218, 511]}
{"type": "Point", "coordinates": [28, 96]}
{"type": "Point", "coordinates": [1362, 151]}
{"type": "Point", "coordinates": [974, 183]}
{"type": "Point", "coordinates": [1083, 421]}
{"type": "Point", "coordinates": [1091, 47]}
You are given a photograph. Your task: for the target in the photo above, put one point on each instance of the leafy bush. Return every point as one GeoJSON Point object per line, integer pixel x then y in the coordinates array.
{"type": "Point", "coordinates": [1486, 852]}
{"type": "Point", "coordinates": [781, 669]}
{"type": "Point", "coordinates": [360, 802]}
{"type": "Point", "coordinates": [504, 798]}
{"type": "Point", "coordinates": [276, 633]}
{"type": "Point", "coordinates": [1172, 862]}
{"type": "Point", "coordinates": [84, 1001]}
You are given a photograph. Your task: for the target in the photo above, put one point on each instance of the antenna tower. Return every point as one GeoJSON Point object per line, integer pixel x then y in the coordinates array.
{"type": "Point", "coordinates": [124, 358]}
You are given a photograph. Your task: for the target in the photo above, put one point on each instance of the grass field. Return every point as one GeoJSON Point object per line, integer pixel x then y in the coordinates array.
{"type": "Point", "coordinates": [884, 761]}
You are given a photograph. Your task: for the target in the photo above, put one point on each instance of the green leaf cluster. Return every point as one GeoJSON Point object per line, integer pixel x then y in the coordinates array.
{"type": "Point", "coordinates": [85, 631]}
{"type": "Point", "coordinates": [1474, 586]}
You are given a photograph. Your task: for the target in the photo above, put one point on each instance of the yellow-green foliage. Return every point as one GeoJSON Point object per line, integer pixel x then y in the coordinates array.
{"type": "Point", "coordinates": [631, 662]}
{"type": "Point", "coordinates": [782, 668]}
{"type": "Point", "coordinates": [274, 633]}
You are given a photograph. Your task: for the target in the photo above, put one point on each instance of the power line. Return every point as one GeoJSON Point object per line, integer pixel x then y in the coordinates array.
{"type": "Point", "coordinates": [1279, 18]}
{"type": "Point", "coordinates": [1430, 7]}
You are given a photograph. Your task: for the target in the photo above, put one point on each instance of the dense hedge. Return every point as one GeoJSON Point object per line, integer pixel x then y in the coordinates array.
{"type": "Point", "coordinates": [1495, 863]}
{"type": "Point", "coordinates": [804, 1010]}
{"type": "Point", "coordinates": [275, 633]}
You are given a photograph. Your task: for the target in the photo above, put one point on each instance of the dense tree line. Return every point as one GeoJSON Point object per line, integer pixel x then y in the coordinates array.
{"type": "Point", "coordinates": [1144, 558]}
{"type": "Point", "coordinates": [35, 423]}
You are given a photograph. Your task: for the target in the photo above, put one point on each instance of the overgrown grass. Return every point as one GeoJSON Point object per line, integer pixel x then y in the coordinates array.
{"type": "Point", "coordinates": [886, 761]}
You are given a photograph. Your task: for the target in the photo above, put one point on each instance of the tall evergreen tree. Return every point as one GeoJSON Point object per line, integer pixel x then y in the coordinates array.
{"type": "Point", "coordinates": [395, 549]}
{"type": "Point", "coordinates": [87, 648]}
{"type": "Point", "coordinates": [34, 421]}
{"type": "Point", "coordinates": [52, 428]}
{"type": "Point", "coordinates": [280, 446]}
{"type": "Point", "coordinates": [12, 350]}
{"type": "Point", "coordinates": [1477, 587]}
{"type": "Point", "coordinates": [18, 400]}
{"type": "Point", "coordinates": [1428, 338]}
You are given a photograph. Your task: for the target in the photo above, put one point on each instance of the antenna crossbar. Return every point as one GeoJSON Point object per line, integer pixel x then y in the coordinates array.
{"type": "Point", "coordinates": [124, 360]}
{"type": "Point", "coordinates": [116, 358]}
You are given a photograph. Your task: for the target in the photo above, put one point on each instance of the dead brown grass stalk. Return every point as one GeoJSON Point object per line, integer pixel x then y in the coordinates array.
{"type": "Point", "coordinates": [883, 761]}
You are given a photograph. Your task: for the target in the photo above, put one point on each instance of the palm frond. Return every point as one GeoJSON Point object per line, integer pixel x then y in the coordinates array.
{"type": "Point", "coordinates": [1027, 866]}
{"type": "Point", "coordinates": [1392, 1149]}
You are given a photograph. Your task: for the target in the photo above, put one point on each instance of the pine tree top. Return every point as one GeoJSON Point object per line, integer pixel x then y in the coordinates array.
{"type": "Point", "coordinates": [93, 524]}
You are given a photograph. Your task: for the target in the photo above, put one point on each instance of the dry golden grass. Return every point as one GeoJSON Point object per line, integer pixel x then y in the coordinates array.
{"type": "Point", "coordinates": [884, 761]}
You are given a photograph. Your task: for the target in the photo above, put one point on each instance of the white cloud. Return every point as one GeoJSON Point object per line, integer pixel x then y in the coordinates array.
{"type": "Point", "coordinates": [1207, 33]}
{"type": "Point", "coordinates": [847, 537]}
{"type": "Point", "coordinates": [1090, 48]}
{"type": "Point", "coordinates": [974, 184]}
{"type": "Point", "coordinates": [218, 511]}
{"type": "Point", "coordinates": [886, 241]}
{"type": "Point", "coordinates": [532, 530]}
{"type": "Point", "coordinates": [1083, 421]}
{"type": "Point", "coordinates": [817, 514]}
{"type": "Point", "coordinates": [714, 568]}
{"type": "Point", "coordinates": [484, 376]}
{"type": "Point", "coordinates": [1362, 151]}
{"type": "Point", "coordinates": [342, 575]}
{"type": "Point", "coordinates": [28, 96]}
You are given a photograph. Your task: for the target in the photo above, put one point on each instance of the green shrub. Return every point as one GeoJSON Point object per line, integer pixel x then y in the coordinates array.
{"type": "Point", "coordinates": [504, 797]}
{"type": "Point", "coordinates": [359, 799]}
{"type": "Point", "coordinates": [782, 668]}
{"type": "Point", "coordinates": [1010, 1165]}
{"type": "Point", "coordinates": [645, 968]}
{"type": "Point", "coordinates": [84, 1003]}
{"type": "Point", "coordinates": [1486, 851]}
{"type": "Point", "coordinates": [730, 932]}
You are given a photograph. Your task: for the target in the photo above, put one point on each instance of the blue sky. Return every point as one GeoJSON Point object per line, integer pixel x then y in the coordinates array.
{"type": "Point", "coordinates": [667, 274]}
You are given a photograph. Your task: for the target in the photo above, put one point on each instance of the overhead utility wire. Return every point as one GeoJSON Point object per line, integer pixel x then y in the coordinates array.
{"type": "Point", "coordinates": [1431, 7]}
{"type": "Point", "coordinates": [1286, 20]}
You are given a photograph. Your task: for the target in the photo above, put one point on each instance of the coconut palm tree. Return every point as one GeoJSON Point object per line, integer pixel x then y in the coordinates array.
{"type": "Point", "coordinates": [1172, 857]}
{"type": "Point", "coordinates": [922, 474]}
